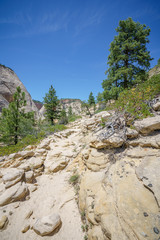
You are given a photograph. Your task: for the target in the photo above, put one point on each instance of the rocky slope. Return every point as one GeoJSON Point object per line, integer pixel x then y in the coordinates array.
{"type": "Point", "coordinates": [8, 84]}
{"type": "Point", "coordinates": [118, 193]}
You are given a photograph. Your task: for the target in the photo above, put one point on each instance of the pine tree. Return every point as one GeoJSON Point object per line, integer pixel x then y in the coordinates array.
{"type": "Point", "coordinates": [51, 103]}
{"type": "Point", "coordinates": [100, 97]}
{"type": "Point", "coordinates": [91, 100]}
{"type": "Point", "coordinates": [158, 62]}
{"type": "Point", "coordinates": [128, 59]}
{"type": "Point", "coordinates": [14, 122]}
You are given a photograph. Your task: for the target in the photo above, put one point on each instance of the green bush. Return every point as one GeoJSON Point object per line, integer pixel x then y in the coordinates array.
{"type": "Point", "coordinates": [73, 118]}
{"type": "Point", "coordinates": [43, 131]}
{"type": "Point", "coordinates": [135, 101]}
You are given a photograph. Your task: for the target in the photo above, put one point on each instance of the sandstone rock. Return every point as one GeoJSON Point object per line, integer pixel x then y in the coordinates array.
{"type": "Point", "coordinates": [90, 184]}
{"type": "Point", "coordinates": [66, 133]}
{"type": "Point", "coordinates": [14, 155]}
{"type": "Point", "coordinates": [45, 144]}
{"type": "Point", "coordinates": [25, 165]}
{"type": "Point", "coordinates": [40, 152]}
{"type": "Point", "coordinates": [95, 233]}
{"type": "Point", "coordinates": [148, 125]}
{"type": "Point", "coordinates": [156, 106]}
{"type": "Point", "coordinates": [12, 176]}
{"type": "Point", "coordinates": [113, 141]}
{"type": "Point", "coordinates": [75, 104]}
{"type": "Point", "coordinates": [58, 164]}
{"type": "Point", "coordinates": [47, 224]}
{"type": "Point", "coordinates": [139, 152]}
{"type": "Point", "coordinates": [14, 193]}
{"type": "Point", "coordinates": [102, 115]}
{"type": "Point", "coordinates": [147, 141]}
{"type": "Point", "coordinates": [29, 176]}
{"type": "Point", "coordinates": [8, 84]}
{"type": "Point", "coordinates": [3, 221]}
{"type": "Point", "coordinates": [26, 154]}
{"type": "Point", "coordinates": [148, 172]}
{"type": "Point", "coordinates": [97, 160]}
{"type": "Point", "coordinates": [131, 133]}
{"type": "Point", "coordinates": [35, 162]}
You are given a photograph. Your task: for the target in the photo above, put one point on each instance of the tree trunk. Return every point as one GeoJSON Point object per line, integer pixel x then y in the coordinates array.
{"type": "Point", "coordinates": [16, 136]}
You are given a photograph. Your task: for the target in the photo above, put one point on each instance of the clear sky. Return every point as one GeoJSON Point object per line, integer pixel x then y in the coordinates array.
{"type": "Point", "coordinates": [65, 42]}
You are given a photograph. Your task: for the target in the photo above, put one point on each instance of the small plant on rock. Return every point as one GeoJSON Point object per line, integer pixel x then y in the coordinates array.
{"type": "Point", "coordinates": [74, 179]}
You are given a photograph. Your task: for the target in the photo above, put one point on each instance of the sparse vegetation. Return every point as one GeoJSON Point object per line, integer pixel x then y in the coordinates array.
{"type": "Point", "coordinates": [43, 131]}
{"type": "Point", "coordinates": [73, 118]}
{"type": "Point", "coordinates": [135, 102]}
{"type": "Point", "coordinates": [74, 179]}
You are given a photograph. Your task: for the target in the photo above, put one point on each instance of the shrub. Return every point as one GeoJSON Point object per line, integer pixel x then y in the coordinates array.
{"type": "Point", "coordinates": [73, 118]}
{"type": "Point", "coordinates": [74, 179]}
{"type": "Point", "coordinates": [135, 101]}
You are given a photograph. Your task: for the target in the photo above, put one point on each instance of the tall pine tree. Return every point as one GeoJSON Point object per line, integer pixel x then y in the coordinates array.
{"type": "Point", "coordinates": [128, 59]}
{"type": "Point", "coordinates": [91, 100]}
{"type": "Point", "coordinates": [51, 103]}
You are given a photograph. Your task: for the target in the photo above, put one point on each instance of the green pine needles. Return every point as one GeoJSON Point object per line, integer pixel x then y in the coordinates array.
{"type": "Point", "coordinates": [128, 60]}
{"type": "Point", "coordinates": [51, 103]}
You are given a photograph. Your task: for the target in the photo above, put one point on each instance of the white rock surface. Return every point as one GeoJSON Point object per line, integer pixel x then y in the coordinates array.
{"type": "Point", "coordinates": [12, 176]}
{"type": "Point", "coordinates": [47, 224]}
{"type": "Point", "coordinates": [14, 193]}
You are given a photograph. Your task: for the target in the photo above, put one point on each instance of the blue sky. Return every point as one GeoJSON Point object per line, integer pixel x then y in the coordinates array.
{"type": "Point", "coordinates": [65, 43]}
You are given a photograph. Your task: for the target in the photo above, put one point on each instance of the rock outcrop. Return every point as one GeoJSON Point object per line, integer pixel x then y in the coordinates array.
{"type": "Point", "coordinates": [114, 171]}
{"type": "Point", "coordinates": [8, 84]}
{"type": "Point", "coordinates": [75, 104]}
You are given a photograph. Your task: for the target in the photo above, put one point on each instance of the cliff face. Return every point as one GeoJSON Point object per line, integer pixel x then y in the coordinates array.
{"type": "Point", "coordinates": [75, 104]}
{"type": "Point", "coordinates": [8, 84]}
{"type": "Point", "coordinates": [38, 104]}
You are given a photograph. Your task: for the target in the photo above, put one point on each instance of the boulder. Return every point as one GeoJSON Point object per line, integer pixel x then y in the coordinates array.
{"type": "Point", "coordinates": [148, 125]}
{"type": "Point", "coordinates": [131, 133]}
{"type": "Point", "coordinates": [29, 176]}
{"type": "Point", "coordinates": [35, 162]}
{"type": "Point", "coordinates": [47, 225]}
{"type": "Point", "coordinates": [14, 193]}
{"type": "Point", "coordinates": [12, 176]}
{"type": "Point", "coordinates": [114, 141]}
{"type": "Point", "coordinates": [156, 106]}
